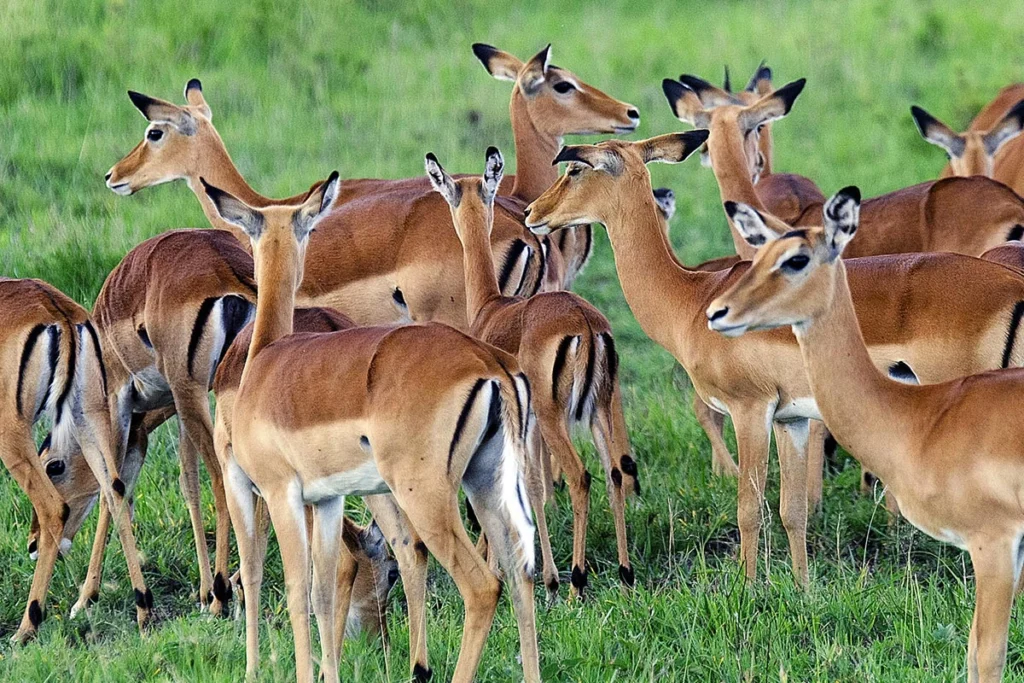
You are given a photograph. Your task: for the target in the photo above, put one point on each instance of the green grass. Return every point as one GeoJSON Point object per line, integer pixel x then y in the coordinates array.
{"type": "Point", "coordinates": [367, 88]}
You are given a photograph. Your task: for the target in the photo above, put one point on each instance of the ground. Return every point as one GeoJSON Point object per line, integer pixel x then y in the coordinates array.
{"type": "Point", "coordinates": [367, 88]}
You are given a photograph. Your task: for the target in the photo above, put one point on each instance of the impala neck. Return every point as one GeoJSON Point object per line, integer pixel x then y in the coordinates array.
{"type": "Point", "coordinates": [659, 291]}
{"type": "Point", "coordinates": [478, 265]}
{"type": "Point", "coordinates": [275, 306]}
{"type": "Point", "coordinates": [534, 152]}
{"type": "Point", "coordinates": [865, 411]}
{"type": "Point", "coordinates": [729, 162]}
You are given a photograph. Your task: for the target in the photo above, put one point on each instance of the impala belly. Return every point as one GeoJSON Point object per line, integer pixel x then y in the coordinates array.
{"type": "Point", "coordinates": [798, 409]}
{"type": "Point", "coordinates": [363, 480]}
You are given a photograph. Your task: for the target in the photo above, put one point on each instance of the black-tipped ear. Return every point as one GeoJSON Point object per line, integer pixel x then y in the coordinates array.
{"type": "Point", "coordinates": [193, 84]}
{"type": "Point", "coordinates": [763, 73]}
{"type": "Point", "coordinates": [727, 82]}
{"type": "Point", "coordinates": [194, 96]}
{"type": "Point", "coordinates": [441, 181]}
{"type": "Point", "coordinates": [851, 192]}
{"type": "Point", "coordinates": [696, 84]}
{"type": "Point", "coordinates": [330, 191]}
{"type": "Point", "coordinates": [922, 119]}
{"type": "Point", "coordinates": [842, 216]}
{"type": "Point", "coordinates": [141, 102]}
{"type": "Point", "coordinates": [570, 153]}
{"type": "Point", "coordinates": [494, 170]}
{"type": "Point", "coordinates": [1009, 127]}
{"type": "Point", "coordinates": [501, 65]}
{"type": "Point", "coordinates": [674, 91]}
{"type": "Point", "coordinates": [234, 210]}
{"type": "Point", "coordinates": [160, 111]}
{"type": "Point", "coordinates": [789, 92]}
{"type": "Point", "coordinates": [749, 223]}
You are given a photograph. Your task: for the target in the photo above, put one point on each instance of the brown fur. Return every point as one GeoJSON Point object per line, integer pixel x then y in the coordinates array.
{"type": "Point", "coordinates": [1008, 166]}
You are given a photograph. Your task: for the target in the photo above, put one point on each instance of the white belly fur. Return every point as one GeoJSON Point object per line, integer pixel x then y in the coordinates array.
{"type": "Point", "coordinates": [364, 480]}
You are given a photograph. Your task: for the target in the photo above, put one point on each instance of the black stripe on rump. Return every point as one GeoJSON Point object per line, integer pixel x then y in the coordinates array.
{"type": "Point", "coordinates": [26, 354]}
{"type": "Point", "coordinates": [1011, 336]}
{"type": "Point", "coordinates": [460, 424]}
{"type": "Point", "coordinates": [197, 330]}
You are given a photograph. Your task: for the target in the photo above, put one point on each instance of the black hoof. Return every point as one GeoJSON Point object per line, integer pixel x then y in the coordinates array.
{"type": "Point", "coordinates": [579, 580]}
{"type": "Point", "coordinates": [35, 613]}
{"type": "Point", "coordinates": [419, 673]}
{"type": "Point", "coordinates": [626, 575]}
{"type": "Point", "coordinates": [221, 589]}
{"type": "Point", "coordinates": [144, 600]}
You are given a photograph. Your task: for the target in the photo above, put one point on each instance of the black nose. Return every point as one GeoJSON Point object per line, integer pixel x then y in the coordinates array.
{"type": "Point", "coordinates": [633, 114]}
{"type": "Point", "coordinates": [393, 575]}
{"type": "Point", "coordinates": [720, 313]}
{"type": "Point", "coordinates": [526, 212]}
{"type": "Point", "coordinates": [107, 177]}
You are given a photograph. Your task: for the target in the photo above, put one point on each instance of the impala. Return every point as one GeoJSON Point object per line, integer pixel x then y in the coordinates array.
{"type": "Point", "coordinates": [910, 316]}
{"type": "Point", "coordinates": [948, 451]}
{"type": "Point", "coordinates": [565, 347]}
{"type": "Point", "coordinates": [972, 152]}
{"type": "Point", "coordinates": [1009, 162]}
{"type": "Point", "coordinates": [416, 410]}
{"type": "Point", "coordinates": [55, 368]}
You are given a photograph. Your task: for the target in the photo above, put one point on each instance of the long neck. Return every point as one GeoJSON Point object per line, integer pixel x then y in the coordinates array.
{"type": "Point", "coordinates": [660, 293]}
{"type": "Point", "coordinates": [729, 162]}
{"type": "Point", "coordinates": [534, 152]}
{"type": "Point", "coordinates": [478, 266]}
{"type": "Point", "coordinates": [865, 411]}
{"type": "Point", "coordinates": [275, 305]}
{"type": "Point", "coordinates": [214, 165]}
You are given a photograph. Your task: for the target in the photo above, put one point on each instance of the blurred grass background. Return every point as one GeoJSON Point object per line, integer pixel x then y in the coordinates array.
{"type": "Point", "coordinates": [367, 88]}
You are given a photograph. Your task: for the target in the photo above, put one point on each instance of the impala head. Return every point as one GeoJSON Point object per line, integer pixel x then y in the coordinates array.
{"type": "Point", "coordinates": [375, 577]}
{"type": "Point", "coordinates": [170, 144]}
{"type": "Point", "coordinates": [759, 85]}
{"type": "Point", "coordinates": [790, 280]}
{"type": "Point", "coordinates": [732, 121]}
{"type": "Point", "coordinates": [598, 175]}
{"type": "Point", "coordinates": [279, 233]}
{"type": "Point", "coordinates": [972, 152]}
{"type": "Point", "coordinates": [557, 101]}
{"type": "Point", "coordinates": [471, 199]}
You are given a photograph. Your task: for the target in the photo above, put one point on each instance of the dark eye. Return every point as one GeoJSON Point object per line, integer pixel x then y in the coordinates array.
{"type": "Point", "coordinates": [154, 134]}
{"type": "Point", "coordinates": [760, 128]}
{"type": "Point", "coordinates": [54, 468]}
{"type": "Point", "coordinates": [574, 171]}
{"type": "Point", "coordinates": [563, 87]}
{"type": "Point", "coordinates": [796, 263]}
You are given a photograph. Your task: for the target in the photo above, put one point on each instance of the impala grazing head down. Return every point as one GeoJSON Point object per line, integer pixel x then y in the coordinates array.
{"type": "Point", "coordinates": [972, 152]}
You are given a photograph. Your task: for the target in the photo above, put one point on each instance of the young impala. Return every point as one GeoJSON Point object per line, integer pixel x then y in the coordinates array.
{"type": "Point", "coordinates": [565, 347]}
{"type": "Point", "coordinates": [54, 367]}
{"type": "Point", "coordinates": [972, 152]}
{"type": "Point", "coordinates": [1009, 161]}
{"type": "Point", "coordinates": [952, 453]}
{"type": "Point", "coordinates": [417, 410]}
{"type": "Point", "coordinates": [910, 317]}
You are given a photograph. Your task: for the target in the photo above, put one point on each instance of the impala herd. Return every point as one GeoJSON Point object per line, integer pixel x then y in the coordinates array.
{"type": "Point", "coordinates": [405, 340]}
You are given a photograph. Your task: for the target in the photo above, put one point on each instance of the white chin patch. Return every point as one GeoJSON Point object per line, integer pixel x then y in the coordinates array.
{"type": "Point", "coordinates": [65, 546]}
{"type": "Point", "coordinates": [123, 189]}
{"type": "Point", "coordinates": [540, 229]}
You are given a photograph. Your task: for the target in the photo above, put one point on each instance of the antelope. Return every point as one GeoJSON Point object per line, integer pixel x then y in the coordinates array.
{"type": "Point", "coordinates": [959, 215]}
{"type": "Point", "coordinates": [948, 451]}
{"type": "Point", "coordinates": [972, 152]}
{"type": "Point", "coordinates": [911, 318]}
{"type": "Point", "coordinates": [55, 367]}
{"type": "Point", "coordinates": [666, 200]}
{"type": "Point", "coordinates": [785, 195]}
{"type": "Point", "coordinates": [415, 410]}
{"type": "Point", "coordinates": [1008, 162]}
{"type": "Point", "coordinates": [565, 347]}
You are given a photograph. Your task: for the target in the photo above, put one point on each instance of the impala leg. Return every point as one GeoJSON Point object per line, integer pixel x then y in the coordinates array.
{"type": "Point", "coordinates": [411, 555]}
{"type": "Point", "coordinates": [18, 452]}
{"type": "Point", "coordinates": [242, 509]}
{"type": "Point", "coordinates": [612, 442]}
{"type": "Point", "coordinates": [345, 577]}
{"type": "Point", "coordinates": [434, 513]}
{"type": "Point", "coordinates": [90, 590]}
{"type": "Point", "coordinates": [287, 513]}
{"type": "Point", "coordinates": [222, 583]}
{"type": "Point", "coordinates": [196, 440]}
{"type": "Point", "coordinates": [713, 424]}
{"type": "Point", "coordinates": [535, 475]}
{"type": "Point", "coordinates": [815, 464]}
{"type": "Point", "coordinates": [791, 440]}
{"type": "Point", "coordinates": [326, 548]}
{"type": "Point", "coordinates": [996, 575]}
{"type": "Point", "coordinates": [555, 431]}
{"type": "Point", "coordinates": [752, 438]}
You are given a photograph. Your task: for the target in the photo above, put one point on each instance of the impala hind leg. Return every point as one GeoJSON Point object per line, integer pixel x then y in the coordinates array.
{"type": "Point", "coordinates": [411, 555]}
{"type": "Point", "coordinates": [326, 549]}
{"type": "Point", "coordinates": [995, 568]}
{"type": "Point", "coordinates": [612, 442]}
{"type": "Point", "coordinates": [752, 425]}
{"type": "Point", "coordinates": [536, 473]}
{"type": "Point", "coordinates": [791, 439]}
{"type": "Point", "coordinates": [713, 424]}
{"type": "Point", "coordinates": [241, 508]}
{"type": "Point", "coordinates": [18, 452]}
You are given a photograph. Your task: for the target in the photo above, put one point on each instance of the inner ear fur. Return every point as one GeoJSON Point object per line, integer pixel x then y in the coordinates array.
{"type": "Point", "coordinates": [160, 111]}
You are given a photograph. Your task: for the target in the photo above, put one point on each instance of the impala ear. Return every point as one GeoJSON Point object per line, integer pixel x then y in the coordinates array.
{"type": "Point", "coordinates": [501, 65]}
{"type": "Point", "coordinates": [727, 82]}
{"type": "Point", "coordinates": [842, 216]}
{"type": "Point", "coordinates": [161, 111]}
{"type": "Point", "coordinates": [235, 211]}
{"type": "Point", "coordinates": [372, 540]}
{"type": "Point", "coordinates": [673, 147]}
{"type": "Point", "coordinates": [666, 201]}
{"type": "Point", "coordinates": [771, 107]}
{"type": "Point", "coordinates": [685, 104]}
{"type": "Point", "coordinates": [1007, 129]}
{"type": "Point", "coordinates": [709, 95]}
{"type": "Point", "coordinates": [441, 181]}
{"type": "Point", "coordinates": [750, 224]}
{"type": "Point", "coordinates": [761, 81]}
{"type": "Point", "coordinates": [494, 170]}
{"type": "Point", "coordinates": [194, 96]}
{"type": "Point", "coordinates": [938, 133]}
{"type": "Point", "coordinates": [535, 72]}
{"type": "Point", "coordinates": [598, 158]}
{"type": "Point", "coordinates": [316, 206]}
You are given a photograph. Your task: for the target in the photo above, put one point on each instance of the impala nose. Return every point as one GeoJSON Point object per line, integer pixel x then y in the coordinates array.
{"type": "Point", "coordinates": [526, 212]}
{"type": "Point", "coordinates": [633, 114]}
{"type": "Point", "coordinates": [393, 575]}
{"type": "Point", "coordinates": [107, 177]}
{"type": "Point", "coordinates": [720, 313]}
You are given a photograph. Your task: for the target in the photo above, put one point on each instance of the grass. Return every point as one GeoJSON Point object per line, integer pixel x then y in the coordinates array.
{"type": "Point", "coordinates": [367, 88]}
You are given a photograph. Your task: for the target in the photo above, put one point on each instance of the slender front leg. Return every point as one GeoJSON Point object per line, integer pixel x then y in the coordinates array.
{"type": "Point", "coordinates": [287, 513]}
{"type": "Point", "coordinates": [815, 465]}
{"type": "Point", "coordinates": [791, 439]}
{"type": "Point", "coordinates": [713, 424]}
{"type": "Point", "coordinates": [326, 549]}
{"type": "Point", "coordinates": [752, 423]}
{"type": "Point", "coordinates": [242, 509]}
{"type": "Point", "coordinates": [994, 569]}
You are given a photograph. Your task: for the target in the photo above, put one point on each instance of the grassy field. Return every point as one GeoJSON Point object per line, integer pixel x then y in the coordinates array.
{"type": "Point", "coordinates": [368, 87]}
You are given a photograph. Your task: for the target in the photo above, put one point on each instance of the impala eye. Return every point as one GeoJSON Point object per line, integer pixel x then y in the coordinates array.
{"type": "Point", "coordinates": [54, 468]}
{"type": "Point", "coordinates": [796, 263]}
{"type": "Point", "coordinates": [574, 171]}
{"type": "Point", "coordinates": [564, 87]}
{"type": "Point", "coordinates": [154, 135]}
